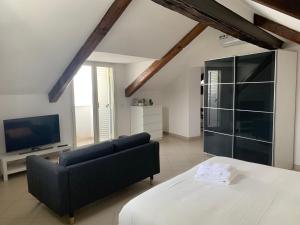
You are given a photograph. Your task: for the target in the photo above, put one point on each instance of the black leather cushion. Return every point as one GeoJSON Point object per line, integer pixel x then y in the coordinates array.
{"type": "Point", "coordinates": [131, 141]}
{"type": "Point", "coordinates": [86, 153]}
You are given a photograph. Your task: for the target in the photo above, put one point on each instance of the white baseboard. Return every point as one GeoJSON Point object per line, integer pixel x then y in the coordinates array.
{"type": "Point", "coordinates": [181, 137]}
{"type": "Point", "coordinates": [297, 167]}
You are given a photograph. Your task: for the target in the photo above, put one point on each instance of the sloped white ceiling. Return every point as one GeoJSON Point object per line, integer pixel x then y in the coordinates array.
{"type": "Point", "coordinates": [115, 58]}
{"type": "Point", "coordinates": [38, 39]}
{"type": "Point", "coordinates": [240, 7]}
{"type": "Point", "coordinates": [146, 29]}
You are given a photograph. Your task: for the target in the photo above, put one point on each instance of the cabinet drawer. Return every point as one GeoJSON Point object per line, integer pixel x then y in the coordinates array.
{"type": "Point", "coordinates": [153, 118]}
{"type": "Point", "coordinates": [152, 110]}
{"type": "Point", "coordinates": [152, 127]}
{"type": "Point", "coordinates": [155, 135]}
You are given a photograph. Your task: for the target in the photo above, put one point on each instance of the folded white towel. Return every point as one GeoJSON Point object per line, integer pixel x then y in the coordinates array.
{"type": "Point", "coordinates": [223, 173]}
{"type": "Point", "coordinates": [220, 180]}
{"type": "Point", "coordinates": [215, 168]}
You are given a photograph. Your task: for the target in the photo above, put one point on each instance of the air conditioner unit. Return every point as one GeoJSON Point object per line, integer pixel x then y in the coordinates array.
{"type": "Point", "coordinates": [227, 40]}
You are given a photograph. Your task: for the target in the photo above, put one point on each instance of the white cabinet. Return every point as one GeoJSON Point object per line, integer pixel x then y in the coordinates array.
{"type": "Point", "coordinates": [147, 119]}
{"type": "Point", "coordinates": [12, 163]}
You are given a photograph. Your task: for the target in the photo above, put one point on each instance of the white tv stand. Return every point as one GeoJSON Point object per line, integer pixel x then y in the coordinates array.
{"type": "Point", "coordinates": [16, 162]}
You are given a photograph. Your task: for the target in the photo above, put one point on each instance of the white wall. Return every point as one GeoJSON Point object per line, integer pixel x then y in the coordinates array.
{"type": "Point", "coordinates": [121, 102]}
{"type": "Point", "coordinates": [133, 70]}
{"type": "Point", "coordinates": [181, 102]}
{"type": "Point", "coordinates": [297, 123]}
{"type": "Point", "coordinates": [18, 106]}
{"type": "Point", "coordinates": [176, 106]}
{"type": "Point", "coordinates": [207, 46]}
{"type": "Point", "coordinates": [195, 100]}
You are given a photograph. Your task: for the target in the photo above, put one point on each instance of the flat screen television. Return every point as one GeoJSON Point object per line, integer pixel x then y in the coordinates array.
{"type": "Point", "coordinates": [31, 132]}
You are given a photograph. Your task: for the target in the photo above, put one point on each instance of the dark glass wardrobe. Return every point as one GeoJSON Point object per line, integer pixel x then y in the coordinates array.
{"type": "Point", "coordinates": [218, 106]}
{"type": "Point", "coordinates": [239, 107]}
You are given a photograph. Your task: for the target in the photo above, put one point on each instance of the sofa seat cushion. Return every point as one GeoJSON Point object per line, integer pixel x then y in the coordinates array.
{"type": "Point", "coordinates": [86, 153]}
{"type": "Point", "coordinates": [131, 141]}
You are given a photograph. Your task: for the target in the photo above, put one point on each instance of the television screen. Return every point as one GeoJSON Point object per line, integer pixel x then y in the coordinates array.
{"type": "Point", "coordinates": [31, 132]}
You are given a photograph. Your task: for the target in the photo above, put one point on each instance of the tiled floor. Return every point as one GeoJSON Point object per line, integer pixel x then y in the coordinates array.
{"type": "Point", "coordinates": [17, 207]}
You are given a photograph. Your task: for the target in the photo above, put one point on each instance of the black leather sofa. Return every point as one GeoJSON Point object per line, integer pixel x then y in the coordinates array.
{"type": "Point", "coordinates": [88, 174]}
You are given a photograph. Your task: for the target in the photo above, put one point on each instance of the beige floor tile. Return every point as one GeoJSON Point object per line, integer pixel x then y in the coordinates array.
{"type": "Point", "coordinates": [54, 220]}
{"type": "Point", "coordinates": [14, 193]}
{"type": "Point", "coordinates": [42, 211]}
{"type": "Point", "coordinates": [24, 208]}
{"type": "Point", "coordinates": [4, 205]}
{"type": "Point", "coordinates": [99, 218]}
{"type": "Point", "coordinates": [15, 221]}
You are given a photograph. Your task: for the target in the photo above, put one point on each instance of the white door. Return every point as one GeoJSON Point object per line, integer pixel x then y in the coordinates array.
{"type": "Point", "coordinates": [93, 104]}
{"type": "Point", "coordinates": [84, 106]}
{"type": "Point", "coordinates": [105, 102]}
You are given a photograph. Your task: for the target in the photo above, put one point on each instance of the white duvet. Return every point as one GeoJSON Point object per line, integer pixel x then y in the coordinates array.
{"type": "Point", "coordinates": [259, 195]}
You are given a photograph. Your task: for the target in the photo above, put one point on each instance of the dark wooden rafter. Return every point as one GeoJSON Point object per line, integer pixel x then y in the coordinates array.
{"type": "Point", "coordinates": [289, 7]}
{"type": "Point", "coordinates": [223, 19]}
{"type": "Point", "coordinates": [157, 65]}
{"type": "Point", "coordinates": [106, 23]}
{"type": "Point", "coordinates": [277, 28]}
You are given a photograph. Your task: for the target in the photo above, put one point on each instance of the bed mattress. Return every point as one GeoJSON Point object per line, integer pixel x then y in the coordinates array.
{"type": "Point", "coordinates": [259, 195]}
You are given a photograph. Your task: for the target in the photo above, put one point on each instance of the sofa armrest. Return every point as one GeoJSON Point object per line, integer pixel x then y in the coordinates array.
{"type": "Point", "coordinates": [156, 157]}
{"type": "Point", "coordinates": [48, 182]}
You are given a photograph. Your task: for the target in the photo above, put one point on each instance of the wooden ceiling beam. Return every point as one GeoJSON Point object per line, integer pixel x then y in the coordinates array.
{"type": "Point", "coordinates": [223, 19]}
{"type": "Point", "coordinates": [159, 64]}
{"type": "Point", "coordinates": [289, 7]}
{"type": "Point", "coordinates": [106, 23]}
{"type": "Point", "coordinates": [277, 28]}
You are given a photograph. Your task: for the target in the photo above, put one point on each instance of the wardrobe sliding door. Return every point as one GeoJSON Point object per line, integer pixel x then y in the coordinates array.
{"type": "Point", "coordinates": [254, 107]}
{"type": "Point", "coordinates": [249, 111]}
{"type": "Point", "coordinates": [218, 107]}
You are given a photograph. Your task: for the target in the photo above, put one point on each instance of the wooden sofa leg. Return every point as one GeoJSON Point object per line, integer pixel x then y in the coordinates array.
{"type": "Point", "coordinates": [151, 180]}
{"type": "Point", "coordinates": [71, 219]}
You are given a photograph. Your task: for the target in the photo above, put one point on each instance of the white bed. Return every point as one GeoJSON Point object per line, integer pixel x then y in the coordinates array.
{"type": "Point", "coordinates": [259, 195]}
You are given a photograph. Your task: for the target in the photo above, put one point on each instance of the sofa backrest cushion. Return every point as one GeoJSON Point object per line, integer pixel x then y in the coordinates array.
{"type": "Point", "coordinates": [131, 141]}
{"type": "Point", "coordinates": [86, 153]}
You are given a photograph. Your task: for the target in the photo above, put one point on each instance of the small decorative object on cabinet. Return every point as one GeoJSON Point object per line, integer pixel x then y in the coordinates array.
{"type": "Point", "coordinates": [135, 102]}
{"type": "Point", "coordinates": [147, 119]}
{"type": "Point", "coordinates": [249, 107]}
{"type": "Point", "coordinates": [150, 102]}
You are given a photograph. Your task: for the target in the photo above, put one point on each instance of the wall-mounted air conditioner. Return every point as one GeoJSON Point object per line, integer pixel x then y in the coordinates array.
{"type": "Point", "coordinates": [227, 40]}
